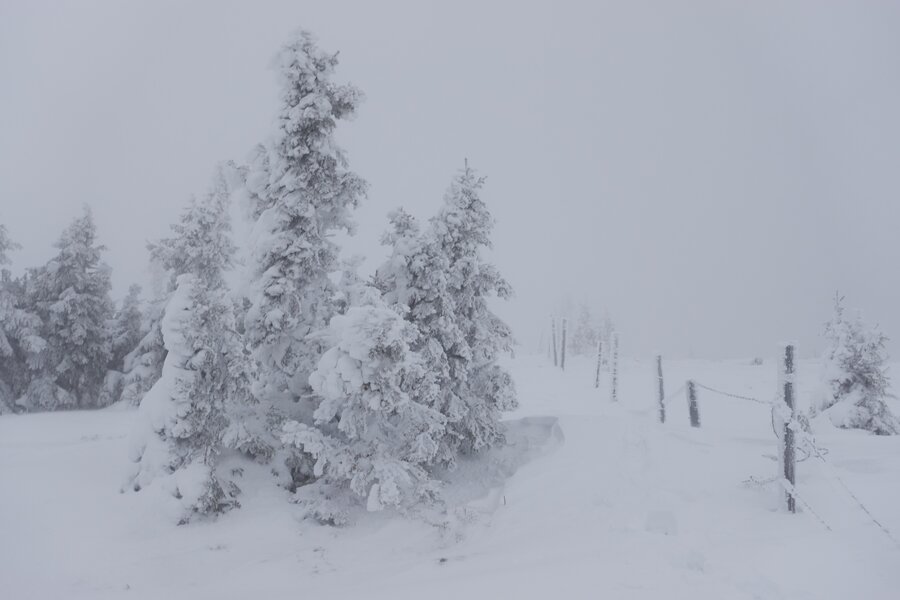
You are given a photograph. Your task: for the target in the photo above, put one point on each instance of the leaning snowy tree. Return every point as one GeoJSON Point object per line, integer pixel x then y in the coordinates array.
{"type": "Point", "coordinates": [184, 418]}
{"type": "Point", "coordinates": [300, 193]}
{"type": "Point", "coordinates": [855, 371]}
{"type": "Point", "coordinates": [376, 432]}
{"type": "Point", "coordinates": [71, 296]}
{"type": "Point", "coordinates": [443, 279]}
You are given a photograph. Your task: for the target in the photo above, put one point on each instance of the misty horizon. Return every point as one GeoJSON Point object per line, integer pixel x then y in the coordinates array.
{"type": "Point", "coordinates": [709, 174]}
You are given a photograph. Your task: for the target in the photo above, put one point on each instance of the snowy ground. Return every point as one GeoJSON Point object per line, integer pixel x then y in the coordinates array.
{"type": "Point", "coordinates": [600, 502]}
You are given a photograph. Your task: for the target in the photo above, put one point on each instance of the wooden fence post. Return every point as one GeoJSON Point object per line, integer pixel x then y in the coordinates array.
{"type": "Point", "coordinates": [662, 392]}
{"type": "Point", "coordinates": [599, 361]}
{"type": "Point", "coordinates": [693, 408]}
{"type": "Point", "coordinates": [614, 369]}
{"type": "Point", "coordinates": [553, 340]}
{"type": "Point", "coordinates": [789, 452]}
{"type": "Point", "coordinates": [562, 347]}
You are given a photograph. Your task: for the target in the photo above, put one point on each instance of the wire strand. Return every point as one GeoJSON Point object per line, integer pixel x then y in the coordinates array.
{"type": "Point", "coordinates": [730, 395]}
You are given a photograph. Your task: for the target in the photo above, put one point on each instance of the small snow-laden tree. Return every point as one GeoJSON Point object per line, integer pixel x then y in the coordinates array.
{"type": "Point", "coordinates": [168, 259]}
{"type": "Point", "coordinates": [186, 417]}
{"type": "Point", "coordinates": [126, 327]}
{"type": "Point", "coordinates": [300, 193]}
{"type": "Point", "coordinates": [441, 276]}
{"type": "Point", "coordinates": [404, 264]}
{"type": "Point", "coordinates": [855, 371]}
{"type": "Point", "coordinates": [125, 332]}
{"type": "Point", "coordinates": [182, 418]}
{"type": "Point", "coordinates": [142, 365]}
{"type": "Point", "coordinates": [376, 431]}
{"type": "Point", "coordinates": [586, 334]}
{"type": "Point", "coordinates": [71, 296]}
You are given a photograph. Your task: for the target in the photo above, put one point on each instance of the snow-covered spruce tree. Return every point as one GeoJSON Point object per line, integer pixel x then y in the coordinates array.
{"type": "Point", "coordinates": [184, 418]}
{"type": "Point", "coordinates": [444, 280]}
{"type": "Point", "coordinates": [71, 296]}
{"type": "Point", "coordinates": [300, 193]}
{"type": "Point", "coordinates": [855, 371]}
{"type": "Point", "coordinates": [376, 432]}
{"type": "Point", "coordinates": [20, 341]}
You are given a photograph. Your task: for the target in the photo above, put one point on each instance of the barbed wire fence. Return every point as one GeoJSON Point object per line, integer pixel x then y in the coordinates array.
{"type": "Point", "coordinates": [803, 442]}
{"type": "Point", "coordinates": [790, 428]}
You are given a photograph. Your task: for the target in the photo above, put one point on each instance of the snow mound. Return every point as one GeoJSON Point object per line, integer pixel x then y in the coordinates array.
{"type": "Point", "coordinates": [478, 483]}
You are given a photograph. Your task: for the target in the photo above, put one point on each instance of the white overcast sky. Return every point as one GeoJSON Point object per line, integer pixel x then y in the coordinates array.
{"type": "Point", "coordinates": [710, 172]}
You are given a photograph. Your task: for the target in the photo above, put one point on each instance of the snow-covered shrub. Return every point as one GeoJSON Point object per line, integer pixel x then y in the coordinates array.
{"type": "Point", "coordinates": [855, 373]}
{"type": "Point", "coordinates": [376, 432]}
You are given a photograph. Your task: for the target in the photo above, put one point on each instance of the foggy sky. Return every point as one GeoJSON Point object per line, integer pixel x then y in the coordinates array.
{"type": "Point", "coordinates": [709, 172]}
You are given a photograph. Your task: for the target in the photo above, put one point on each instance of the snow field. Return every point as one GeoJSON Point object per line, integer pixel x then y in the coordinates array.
{"type": "Point", "coordinates": [588, 500]}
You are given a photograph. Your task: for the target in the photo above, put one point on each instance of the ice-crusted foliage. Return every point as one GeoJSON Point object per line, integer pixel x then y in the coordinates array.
{"type": "Point", "coordinates": [442, 277]}
{"type": "Point", "coordinates": [300, 193]}
{"type": "Point", "coordinates": [376, 432]}
{"type": "Point", "coordinates": [196, 406]}
{"type": "Point", "coordinates": [202, 242]}
{"type": "Point", "coordinates": [855, 371]}
{"type": "Point", "coordinates": [21, 343]}
{"type": "Point", "coordinates": [71, 296]}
